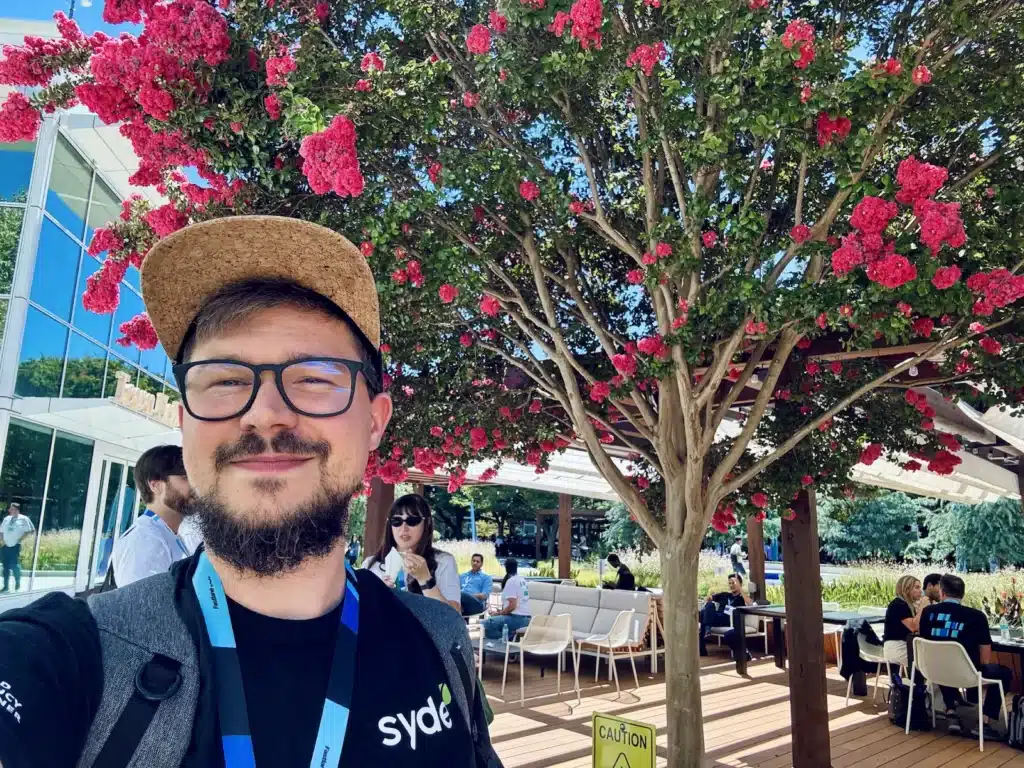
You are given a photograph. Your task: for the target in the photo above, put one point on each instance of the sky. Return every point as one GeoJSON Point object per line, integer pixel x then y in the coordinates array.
{"type": "Point", "coordinates": [89, 19]}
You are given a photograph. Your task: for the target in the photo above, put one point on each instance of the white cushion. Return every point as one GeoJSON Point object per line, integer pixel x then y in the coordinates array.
{"type": "Point", "coordinates": [539, 607]}
{"type": "Point", "coordinates": [541, 590]}
{"type": "Point", "coordinates": [604, 620]}
{"type": "Point", "coordinates": [621, 600]}
{"type": "Point", "coordinates": [722, 630]}
{"type": "Point", "coordinates": [582, 615]}
{"type": "Point", "coordinates": [576, 596]}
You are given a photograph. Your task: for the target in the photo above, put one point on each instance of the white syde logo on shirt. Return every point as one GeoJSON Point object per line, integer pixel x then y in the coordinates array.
{"type": "Point", "coordinates": [428, 720]}
{"type": "Point", "coordinates": [8, 701]}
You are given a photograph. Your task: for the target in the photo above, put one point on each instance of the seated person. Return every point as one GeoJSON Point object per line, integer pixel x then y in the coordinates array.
{"type": "Point", "coordinates": [931, 591]}
{"type": "Point", "coordinates": [952, 622]}
{"type": "Point", "coordinates": [425, 571]}
{"type": "Point", "coordinates": [515, 604]}
{"type": "Point", "coordinates": [713, 614]}
{"type": "Point", "coordinates": [901, 619]}
{"type": "Point", "coordinates": [476, 587]}
{"type": "Point", "coordinates": [625, 579]}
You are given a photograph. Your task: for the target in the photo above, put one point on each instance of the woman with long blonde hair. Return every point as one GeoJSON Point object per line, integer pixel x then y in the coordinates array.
{"type": "Point", "coordinates": [902, 618]}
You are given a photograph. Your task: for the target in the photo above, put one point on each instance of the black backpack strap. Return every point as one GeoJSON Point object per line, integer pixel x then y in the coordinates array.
{"type": "Point", "coordinates": [157, 680]}
{"type": "Point", "coordinates": [484, 752]}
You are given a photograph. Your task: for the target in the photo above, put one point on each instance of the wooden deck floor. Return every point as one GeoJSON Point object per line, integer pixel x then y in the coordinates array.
{"type": "Point", "coordinates": [746, 721]}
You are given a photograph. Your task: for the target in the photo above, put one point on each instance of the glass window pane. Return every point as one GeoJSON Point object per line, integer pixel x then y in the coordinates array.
{"type": "Point", "coordinates": [61, 531]}
{"type": "Point", "coordinates": [53, 281]}
{"type": "Point", "coordinates": [110, 508]}
{"type": "Point", "coordinates": [83, 376]}
{"type": "Point", "coordinates": [130, 505]}
{"type": "Point", "coordinates": [69, 187]}
{"type": "Point", "coordinates": [133, 279]}
{"type": "Point", "coordinates": [22, 480]}
{"type": "Point", "coordinates": [116, 365]}
{"type": "Point", "coordinates": [3, 318]}
{"type": "Point", "coordinates": [151, 385]}
{"type": "Point", "coordinates": [42, 356]}
{"type": "Point", "coordinates": [154, 360]}
{"type": "Point", "coordinates": [16, 160]}
{"type": "Point", "coordinates": [10, 234]}
{"type": "Point", "coordinates": [90, 323]}
{"type": "Point", "coordinates": [129, 306]}
{"type": "Point", "coordinates": [104, 208]}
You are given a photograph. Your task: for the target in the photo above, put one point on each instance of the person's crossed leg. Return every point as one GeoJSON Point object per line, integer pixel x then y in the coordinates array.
{"type": "Point", "coordinates": [711, 616]}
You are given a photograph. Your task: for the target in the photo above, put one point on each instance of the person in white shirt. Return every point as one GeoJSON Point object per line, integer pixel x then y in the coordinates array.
{"type": "Point", "coordinates": [423, 569]}
{"type": "Point", "coordinates": [15, 527]}
{"type": "Point", "coordinates": [736, 555]}
{"type": "Point", "coordinates": [152, 544]}
{"type": "Point", "coordinates": [190, 534]}
{"type": "Point", "coordinates": [515, 604]}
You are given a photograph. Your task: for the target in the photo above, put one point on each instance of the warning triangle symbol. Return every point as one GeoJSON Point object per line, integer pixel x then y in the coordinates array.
{"type": "Point", "coordinates": [621, 761]}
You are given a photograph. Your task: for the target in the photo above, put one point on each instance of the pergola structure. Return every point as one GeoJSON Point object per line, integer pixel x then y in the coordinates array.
{"type": "Point", "coordinates": [991, 468]}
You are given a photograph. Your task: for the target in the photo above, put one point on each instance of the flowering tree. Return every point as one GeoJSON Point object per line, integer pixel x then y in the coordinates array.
{"type": "Point", "coordinates": [678, 232]}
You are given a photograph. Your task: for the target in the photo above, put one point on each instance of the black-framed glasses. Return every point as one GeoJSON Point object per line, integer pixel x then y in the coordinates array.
{"type": "Point", "coordinates": [218, 390]}
{"type": "Point", "coordinates": [411, 520]}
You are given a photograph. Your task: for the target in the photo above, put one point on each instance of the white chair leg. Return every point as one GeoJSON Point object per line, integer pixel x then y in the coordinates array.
{"type": "Point", "coordinates": [522, 679]}
{"type": "Point", "coordinates": [633, 664]}
{"type": "Point", "coordinates": [910, 698]}
{"type": "Point", "coordinates": [1002, 701]}
{"type": "Point", "coordinates": [558, 674]}
{"type": "Point", "coordinates": [839, 650]}
{"type": "Point", "coordinates": [878, 673]}
{"type": "Point", "coordinates": [504, 675]}
{"type": "Point", "coordinates": [981, 717]}
{"type": "Point", "coordinates": [576, 676]}
{"type": "Point", "coordinates": [615, 670]}
{"type": "Point", "coordinates": [849, 687]}
{"type": "Point", "coordinates": [609, 663]}
{"type": "Point", "coordinates": [931, 693]}
{"type": "Point", "coordinates": [597, 663]}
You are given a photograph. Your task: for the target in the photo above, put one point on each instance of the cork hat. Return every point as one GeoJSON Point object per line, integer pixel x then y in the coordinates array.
{"type": "Point", "coordinates": [182, 271]}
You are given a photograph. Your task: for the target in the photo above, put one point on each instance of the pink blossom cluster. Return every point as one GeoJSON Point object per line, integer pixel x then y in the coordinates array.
{"type": "Point", "coordinates": [832, 129]}
{"type": "Point", "coordinates": [646, 56]}
{"type": "Point", "coordinates": [529, 191]}
{"type": "Point", "coordinates": [891, 271]}
{"type": "Point", "coordinates": [587, 17]}
{"type": "Point", "coordinates": [138, 331]}
{"type": "Point", "coordinates": [998, 288]}
{"type": "Point", "coordinates": [126, 11]}
{"type": "Point", "coordinates": [654, 346]}
{"type": "Point", "coordinates": [890, 68]}
{"type": "Point", "coordinates": [278, 69]}
{"type": "Point", "coordinates": [330, 158]}
{"type": "Point", "coordinates": [724, 518]}
{"type": "Point", "coordinates": [800, 233]}
{"type": "Point", "coordinates": [189, 30]}
{"type": "Point", "coordinates": [103, 240]}
{"type": "Point", "coordinates": [946, 277]}
{"type": "Point", "coordinates": [497, 22]}
{"type": "Point", "coordinates": [490, 306]}
{"type": "Point", "coordinates": [19, 120]}
{"type": "Point", "coordinates": [102, 289]}
{"type": "Point", "coordinates": [940, 224]}
{"type": "Point", "coordinates": [801, 34]}
{"type": "Point", "coordinates": [372, 62]}
{"type": "Point", "coordinates": [479, 40]}
{"type": "Point", "coordinates": [918, 180]}
{"type": "Point", "coordinates": [272, 104]}
{"type": "Point", "coordinates": [448, 293]}
{"type": "Point", "coordinates": [600, 391]}
{"type": "Point", "coordinates": [165, 220]}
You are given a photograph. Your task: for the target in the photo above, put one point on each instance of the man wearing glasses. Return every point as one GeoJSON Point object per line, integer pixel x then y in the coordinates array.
{"type": "Point", "coordinates": [265, 649]}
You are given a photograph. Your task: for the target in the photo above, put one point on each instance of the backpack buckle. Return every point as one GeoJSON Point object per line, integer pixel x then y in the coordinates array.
{"type": "Point", "coordinates": [153, 681]}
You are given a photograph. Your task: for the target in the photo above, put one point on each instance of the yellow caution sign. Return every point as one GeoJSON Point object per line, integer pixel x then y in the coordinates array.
{"type": "Point", "coordinates": [622, 743]}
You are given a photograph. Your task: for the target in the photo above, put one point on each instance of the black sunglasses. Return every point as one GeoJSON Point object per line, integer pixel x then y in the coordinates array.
{"type": "Point", "coordinates": [412, 521]}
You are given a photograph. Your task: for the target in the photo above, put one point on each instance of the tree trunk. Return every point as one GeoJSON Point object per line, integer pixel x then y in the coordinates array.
{"type": "Point", "coordinates": [682, 664]}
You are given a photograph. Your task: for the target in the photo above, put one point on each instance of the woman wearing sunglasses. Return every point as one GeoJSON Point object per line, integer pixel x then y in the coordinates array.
{"type": "Point", "coordinates": [425, 570]}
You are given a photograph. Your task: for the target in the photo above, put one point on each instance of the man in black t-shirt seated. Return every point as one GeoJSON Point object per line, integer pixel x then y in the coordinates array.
{"type": "Point", "coordinates": [714, 613]}
{"type": "Point", "coordinates": [626, 580]}
{"type": "Point", "coordinates": [950, 621]}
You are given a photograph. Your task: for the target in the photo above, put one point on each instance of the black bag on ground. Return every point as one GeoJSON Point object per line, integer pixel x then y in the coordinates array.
{"type": "Point", "coordinates": [920, 716]}
{"type": "Point", "coordinates": [1015, 734]}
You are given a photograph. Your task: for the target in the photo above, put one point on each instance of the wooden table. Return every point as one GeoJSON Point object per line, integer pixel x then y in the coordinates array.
{"type": "Point", "coordinates": [777, 613]}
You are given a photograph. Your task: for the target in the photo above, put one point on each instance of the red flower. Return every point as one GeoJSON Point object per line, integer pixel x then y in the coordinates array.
{"type": "Point", "coordinates": [753, 328]}
{"type": "Point", "coordinates": [999, 288]}
{"type": "Point", "coordinates": [801, 34]}
{"type": "Point", "coordinates": [806, 480]}
{"type": "Point", "coordinates": [709, 238]}
{"type": "Point", "coordinates": [891, 271]}
{"type": "Point", "coordinates": [940, 223]}
{"type": "Point", "coordinates": [946, 277]}
{"type": "Point", "coordinates": [648, 259]}
{"type": "Point", "coordinates": [806, 56]}
{"type": "Point", "coordinates": [805, 94]}
{"type": "Point", "coordinates": [18, 120]}
{"type": "Point", "coordinates": [479, 40]}
{"type": "Point", "coordinates": [470, 100]}
{"type": "Point", "coordinates": [734, 374]}
{"type": "Point", "coordinates": [366, 248]}
{"type": "Point", "coordinates": [600, 391]}
{"type": "Point", "coordinates": [490, 306]}
{"type": "Point", "coordinates": [873, 214]}
{"type": "Point", "coordinates": [558, 25]}
{"type": "Point", "coordinates": [624, 364]}
{"type": "Point", "coordinates": [871, 453]}
{"type": "Point", "coordinates": [800, 233]}
{"type": "Point", "coordinates": [661, 250]}
{"type": "Point", "coordinates": [498, 22]}
{"type": "Point", "coordinates": [165, 220]}
{"type": "Point", "coordinates": [921, 75]}
{"type": "Point", "coordinates": [399, 276]}
{"type": "Point", "coordinates": [918, 180]}
{"type": "Point", "coordinates": [789, 514]}
{"type": "Point", "coordinates": [322, 11]}
{"type": "Point", "coordinates": [392, 473]}
{"type": "Point", "coordinates": [434, 172]}
{"type": "Point", "coordinates": [330, 159]}
{"type": "Point", "coordinates": [587, 18]}
{"type": "Point", "coordinates": [372, 62]}
{"type": "Point", "coordinates": [759, 500]}
{"type": "Point", "coordinates": [836, 367]}
{"type": "Point", "coordinates": [944, 462]}
{"type": "Point", "coordinates": [156, 102]}
{"type": "Point", "coordinates": [364, 86]}
{"type": "Point", "coordinates": [654, 346]}
{"type": "Point", "coordinates": [138, 331]}
{"type": "Point", "coordinates": [803, 343]}
{"type": "Point", "coordinates": [891, 67]}
{"type": "Point", "coordinates": [912, 466]}
{"type": "Point", "coordinates": [278, 69]}
{"type": "Point", "coordinates": [102, 291]}
{"type": "Point", "coordinates": [635, 276]}
{"type": "Point", "coordinates": [105, 240]}
{"type": "Point", "coordinates": [535, 406]}
{"type": "Point", "coordinates": [923, 326]}
{"type": "Point", "coordinates": [756, 5]}
{"type": "Point", "coordinates": [448, 293]}
{"type": "Point", "coordinates": [646, 56]}
{"type": "Point", "coordinates": [478, 438]}
{"type": "Point", "coordinates": [832, 128]}
{"type": "Point", "coordinates": [273, 106]}
{"type": "Point", "coordinates": [990, 345]}
{"type": "Point", "coordinates": [812, 368]}
{"type": "Point", "coordinates": [847, 257]}
{"type": "Point", "coordinates": [529, 191]}
{"type": "Point", "coordinates": [466, 340]}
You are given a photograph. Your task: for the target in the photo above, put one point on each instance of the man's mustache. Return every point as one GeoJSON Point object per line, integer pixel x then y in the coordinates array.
{"type": "Point", "coordinates": [252, 444]}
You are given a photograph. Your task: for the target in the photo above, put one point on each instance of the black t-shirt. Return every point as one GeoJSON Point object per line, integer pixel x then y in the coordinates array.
{"type": "Point", "coordinates": [959, 623]}
{"type": "Point", "coordinates": [626, 579]}
{"type": "Point", "coordinates": [898, 610]}
{"type": "Point", "coordinates": [403, 712]}
{"type": "Point", "coordinates": [723, 599]}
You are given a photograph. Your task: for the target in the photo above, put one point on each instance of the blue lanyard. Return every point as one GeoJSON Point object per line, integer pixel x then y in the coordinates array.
{"type": "Point", "coordinates": [159, 520]}
{"type": "Point", "coordinates": [236, 737]}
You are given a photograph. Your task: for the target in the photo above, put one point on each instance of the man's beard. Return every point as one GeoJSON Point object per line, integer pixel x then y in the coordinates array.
{"type": "Point", "coordinates": [270, 547]}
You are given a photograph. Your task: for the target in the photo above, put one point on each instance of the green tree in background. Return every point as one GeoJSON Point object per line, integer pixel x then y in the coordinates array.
{"type": "Point", "coordinates": [624, 532]}
{"type": "Point", "coordinates": [861, 529]}
{"type": "Point", "coordinates": [971, 534]}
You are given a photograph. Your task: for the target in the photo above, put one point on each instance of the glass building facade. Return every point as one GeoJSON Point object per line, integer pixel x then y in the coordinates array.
{"type": "Point", "coordinates": [68, 448]}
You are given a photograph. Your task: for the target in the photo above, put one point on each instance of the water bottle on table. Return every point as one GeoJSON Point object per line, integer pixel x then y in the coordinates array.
{"type": "Point", "coordinates": [504, 633]}
{"type": "Point", "coordinates": [1004, 628]}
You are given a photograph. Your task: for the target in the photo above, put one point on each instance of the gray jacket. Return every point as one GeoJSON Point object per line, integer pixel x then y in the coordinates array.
{"type": "Point", "coordinates": [140, 620]}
